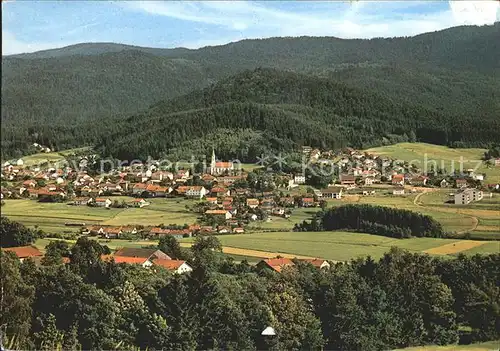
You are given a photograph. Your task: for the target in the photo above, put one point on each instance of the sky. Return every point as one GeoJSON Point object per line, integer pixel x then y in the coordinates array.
{"type": "Point", "coordinates": [29, 25]}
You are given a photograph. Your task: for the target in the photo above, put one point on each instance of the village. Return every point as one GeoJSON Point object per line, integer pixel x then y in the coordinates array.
{"type": "Point", "coordinates": [228, 199]}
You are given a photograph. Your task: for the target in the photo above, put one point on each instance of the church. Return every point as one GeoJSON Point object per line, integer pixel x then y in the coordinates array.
{"type": "Point", "coordinates": [218, 168]}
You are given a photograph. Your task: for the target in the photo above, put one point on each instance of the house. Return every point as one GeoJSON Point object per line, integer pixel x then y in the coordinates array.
{"type": "Point", "coordinates": [93, 230]}
{"type": "Point", "coordinates": [219, 213]}
{"type": "Point", "coordinates": [238, 230]}
{"type": "Point", "coordinates": [102, 202]}
{"type": "Point", "coordinates": [444, 183]}
{"type": "Point", "coordinates": [162, 176]}
{"type": "Point", "coordinates": [211, 200]}
{"type": "Point", "coordinates": [220, 191]}
{"type": "Point", "coordinates": [479, 177]}
{"type": "Point", "coordinates": [82, 201]}
{"type": "Point", "coordinates": [334, 192]}
{"type": "Point", "coordinates": [420, 180]}
{"type": "Point", "coordinates": [398, 190]}
{"type": "Point", "coordinates": [217, 168]}
{"type": "Point", "coordinates": [398, 179]}
{"type": "Point", "coordinates": [460, 183]}
{"type": "Point", "coordinates": [24, 252]}
{"type": "Point", "coordinates": [29, 183]}
{"type": "Point", "coordinates": [139, 188]}
{"type": "Point", "coordinates": [140, 203]}
{"type": "Point", "coordinates": [369, 180]}
{"type": "Point", "coordinates": [144, 262]}
{"type": "Point", "coordinates": [223, 229]}
{"type": "Point", "coordinates": [497, 162]}
{"type": "Point", "coordinates": [275, 264]}
{"type": "Point", "coordinates": [129, 229]}
{"type": "Point", "coordinates": [316, 262]}
{"type": "Point", "coordinates": [347, 179]}
{"type": "Point", "coordinates": [111, 232]}
{"type": "Point", "coordinates": [253, 203]}
{"type": "Point", "coordinates": [196, 192]}
{"type": "Point", "coordinates": [176, 266]}
{"type": "Point", "coordinates": [149, 254]}
{"type": "Point", "coordinates": [157, 191]}
{"type": "Point", "coordinates": [468, 195]}
{"type": "Point", "coordinates": [308, 202]}
{"type": "Point", "coordinates": [299, 179]}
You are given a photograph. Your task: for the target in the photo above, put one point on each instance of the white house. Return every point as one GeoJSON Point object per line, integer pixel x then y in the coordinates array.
{"type": "Point", "coordinates": [299, 179]}
{"type": "Point", "coordinates": [196, 192]}
{"type": "Point", "coordinates": [102, 202]}
{"type": "Point", "coordinates": [398, 191]}
{"type": "Point", "coordinates": [138, 203]}
{"type": "Point", "coordinates": [221, 213]}
{"type": "Point", "coordinates": [466, 196]}
{"type": "Point", "coordinates": [334, 192]}
{"type": "Point", "coordinates": [177, 266]}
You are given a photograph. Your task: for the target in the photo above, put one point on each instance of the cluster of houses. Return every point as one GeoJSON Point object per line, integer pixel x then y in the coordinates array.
{"type": "Point", "coordinates": [151, 258]}
{"type": "Point", "coordinates": [147, 258]}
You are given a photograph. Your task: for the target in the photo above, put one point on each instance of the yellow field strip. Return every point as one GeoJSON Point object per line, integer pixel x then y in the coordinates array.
{"type": "Point", "coordinates": [253, 253]}
{"type": "Point", "coordinates": [455, 247]}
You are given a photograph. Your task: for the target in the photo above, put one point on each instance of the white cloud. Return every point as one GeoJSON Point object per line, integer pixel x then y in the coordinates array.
{"type": "Point", "coordinates": [355, 19]}
{"type": "Point", "coordinates": [11, 45]}
{"type": "Point", "coordinates": [475, 12]}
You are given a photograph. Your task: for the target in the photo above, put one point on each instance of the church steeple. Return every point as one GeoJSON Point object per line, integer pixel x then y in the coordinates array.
{"type": "Point", "coordinates": [212, 161]}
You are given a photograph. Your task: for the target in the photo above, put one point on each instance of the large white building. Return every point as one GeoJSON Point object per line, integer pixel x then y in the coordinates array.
{"type": "Point", "coordinates": [466, 196]}
{"type": "Point", "coordinates": [217, 168]}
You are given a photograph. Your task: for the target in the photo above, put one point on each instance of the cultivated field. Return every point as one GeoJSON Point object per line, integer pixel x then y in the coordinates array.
{"type": "Point", "coordinates": [445, 157]}
{"type": "Point", "coordinates": [49, 157]}
{"type": "Point", "coordinates": [339, 246]}
{"type": "Point", "coordinates": [51, 217]}
{"type": "Point", "coordinates": [483, 346]}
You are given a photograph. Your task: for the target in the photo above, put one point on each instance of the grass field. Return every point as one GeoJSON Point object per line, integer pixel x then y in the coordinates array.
{"type": "Point", "coordinates": [444, 156]}
{"type": "Point", "coordinates": [339, 246]}
{"type": "Point", "coordinates": [51, 217]}
{"type": "Point", "coordinates": [49, 157]}
{"type": "Point", "coordinates": [483, 346]}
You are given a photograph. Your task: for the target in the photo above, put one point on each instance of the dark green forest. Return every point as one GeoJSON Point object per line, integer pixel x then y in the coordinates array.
{"type": "Point", "coordinates": [378, 220]}
{"type": "Point", "coordinates": [439, 87]}
{"type": "Point", "coordinates": [403, 299]}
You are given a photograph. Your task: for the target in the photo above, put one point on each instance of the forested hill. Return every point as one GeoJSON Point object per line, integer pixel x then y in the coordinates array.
{"type": "Point", "coordinates": [289, 109]}
{"type": "Point", "coordinates": [449, 72]}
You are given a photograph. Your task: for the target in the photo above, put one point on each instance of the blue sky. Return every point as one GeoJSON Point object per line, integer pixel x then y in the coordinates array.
{"type": "Point", "coordinates": [29, 26]}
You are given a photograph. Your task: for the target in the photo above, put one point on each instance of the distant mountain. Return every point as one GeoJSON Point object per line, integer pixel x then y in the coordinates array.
{"type": "Point", "coordinates": [280, 110]}
{"type": "Point", "coordinates": [90, 49]}
{"type": "Point", "coordinates": [454, 71]}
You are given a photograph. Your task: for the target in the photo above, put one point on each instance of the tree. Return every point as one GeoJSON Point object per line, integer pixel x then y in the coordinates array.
{"type": "Point", "coordinates": [49, 337]}
{"type": "Point", "coordinates": [14, 233]}
{"type": "Point", "coordinates": [16, 297]}
{"type": "Point", "coordinates": [171, 247]}
{"type": "Point", "coordinates": [54, 252]}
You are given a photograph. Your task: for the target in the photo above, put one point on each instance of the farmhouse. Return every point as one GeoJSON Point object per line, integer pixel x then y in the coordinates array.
{"type": "Point", "coordinates": [149, 254]}
{"type": "Point", "coordinates": [102, 202]}
{"type": "Point", "coordinates": [369, 180]}
{"type": "Point", "coordinates": [460, 183]}
{"type": "Point", "coordinates": [444, 183]}
{"type": "Point", "coordinates": [347, 179]}
{"type": "Point", "coordinates": [81, 201]}
{"type": "Point", "coordinates": [308, 202]}
{"type": "Point", "coordinates": [466, 196]}
{"type": "Point", "coordinates": [24, 252]}
{"type": "Point", "coordinates": [276, 264]}
{"type": "Point", "coordinates": [144, 262]}
{"type": "Point", "coordinates": [177, 266]}
{"type": "Point", "coordinates": [111, 232]}
{"type": "Point", "coordinates": [138, 203]}
{"type": "Point", "coordinates": [219, 213]}
{"type": "Point", "coordinates": [316, 262]}
{"type": "Point", "coordinates": [334, 192]}
{"type": "Point", "coordinates": [211, 200]}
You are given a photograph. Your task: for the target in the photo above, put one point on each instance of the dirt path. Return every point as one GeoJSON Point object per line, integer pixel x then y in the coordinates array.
{"type": "Point", "coordinates": [253, 253]}
{"type": "Point", "coordinates": [454, 247]}
{"type": "Point", "coordinates": [416, 202]}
